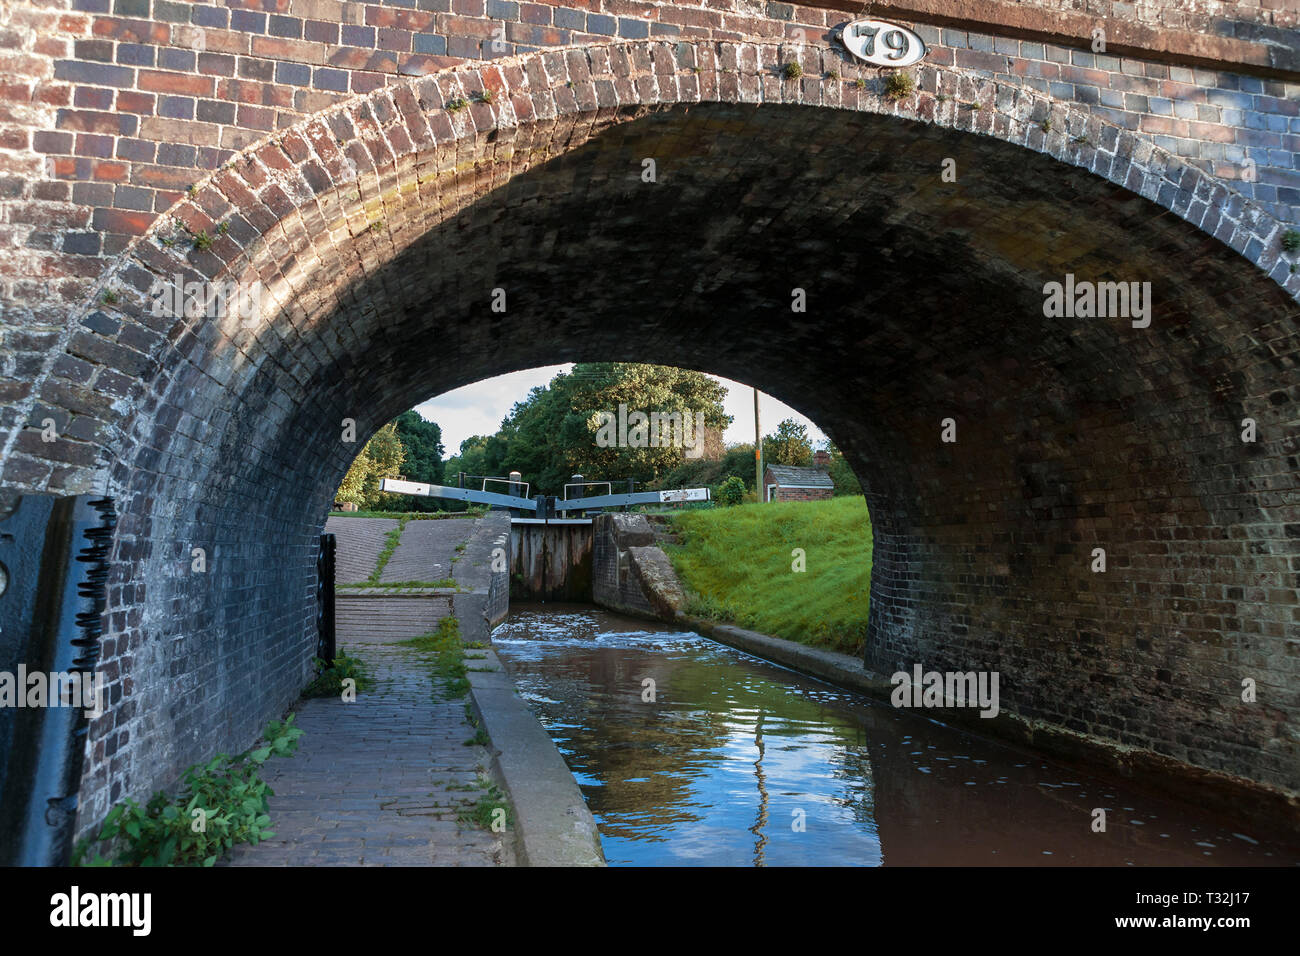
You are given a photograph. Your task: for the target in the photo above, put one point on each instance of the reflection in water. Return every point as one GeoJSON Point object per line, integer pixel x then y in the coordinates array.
{"type": "Point", "coordinates": [740, 762]}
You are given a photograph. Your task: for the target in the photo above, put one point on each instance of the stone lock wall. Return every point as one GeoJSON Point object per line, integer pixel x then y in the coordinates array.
{"type": "Point", "coordinates": [379, 168]}
{"type": "Point", "coordinates": [630, 573]}
{"type": "Point", "coordinates": [550, 562]}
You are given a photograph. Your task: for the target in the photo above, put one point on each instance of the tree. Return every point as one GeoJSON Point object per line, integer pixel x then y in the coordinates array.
{"type": "Point", "coordinates": [788, 445]}
{"type": "Point", "coordinates": [731, 491]}
{"type": "Point", "coordinates": [422, 440]}
{"type": "Point", "coordinates": [609, 420]}
{"type": "Point", "coordinates": [737, 461]}
{"type": "Point", "coordinates": [470, 459]}
{"type": "Point", "coordinates": [381, 457]}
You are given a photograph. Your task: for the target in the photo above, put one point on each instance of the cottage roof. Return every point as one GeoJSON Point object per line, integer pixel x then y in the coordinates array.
{"type": "Point", "coordinates": [789, 476]}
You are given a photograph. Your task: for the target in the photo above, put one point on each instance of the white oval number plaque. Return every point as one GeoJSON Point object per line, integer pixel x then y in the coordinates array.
{"type": "Point", "coordinates": [882, 44]}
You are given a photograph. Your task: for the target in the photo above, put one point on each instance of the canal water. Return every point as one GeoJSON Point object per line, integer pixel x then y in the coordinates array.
{"type": "Point", "coordinates": [726, 759]}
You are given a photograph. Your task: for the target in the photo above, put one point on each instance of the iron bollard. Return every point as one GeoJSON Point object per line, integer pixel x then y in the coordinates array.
{"type": "Point", "coordinates": [325, 648]}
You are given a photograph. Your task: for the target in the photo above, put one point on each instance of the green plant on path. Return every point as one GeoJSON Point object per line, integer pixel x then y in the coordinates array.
{"type": "Point", "coordinates": [442, 583]}
{"type": "Point", "coordinates": [443, 651]}
{"type": "Point", "coordinates": [328, 681]}
{"type": "Point", "coordinates": [490, 808]}
{"type": "Point", "coordinates": [220, 803]}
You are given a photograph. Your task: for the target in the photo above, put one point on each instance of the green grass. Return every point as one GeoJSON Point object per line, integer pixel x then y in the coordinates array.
{"type": "Point", "coordinates": [391, 541]}
{"type": "Point", "coordinates": [481, 814]}
{"type": "Point", "coordinates": [443, 651]}
{"type": "Point", "coordinates": [440, 583]}
{"type": "Point", "coordinates": [736, 566]}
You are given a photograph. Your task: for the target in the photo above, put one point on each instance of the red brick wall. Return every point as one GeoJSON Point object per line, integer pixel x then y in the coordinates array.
{"type": "Point", "coordinates": [802, 494]}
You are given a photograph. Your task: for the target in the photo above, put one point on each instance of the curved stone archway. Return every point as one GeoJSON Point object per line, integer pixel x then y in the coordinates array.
{"type": "Point", "coordinates": [381, 227]}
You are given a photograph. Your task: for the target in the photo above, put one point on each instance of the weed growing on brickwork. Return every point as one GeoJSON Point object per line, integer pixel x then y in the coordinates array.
{"type": "Point", "coordinates": [456, 104]}
{"type": "Point", "coordinates": [221, 803]}
{"type": "Point", "coordinates": [109, 297]}
{"type": "Point", "coordinates": [1080, 141]}
{"type": "Point", "coordinates": [486, 96]}
{"type": "Point", "coordinates": [443, 651]}
{"type": "Point", "coordinates": [391, 541]}
{"type": "Point", "coordinates": [202, 240]}
{"type": "Point", "coordinates": [1046, 125]}
{"type": "Point", "coordinates": [491, 812]}
{"type": "Point", "coordinates": [792, 70]}
{"type": "Point", "coordinates": [860, 83]}
{"type": "Point", "coordinates": [223, 229]}
{"type": "Point", "coordinates": [440, 583]}
{"type": "Point", "coordinates": [1291, 240]}
{"type": "Point", "coordinates": [832, 74]}
{"type": "Point", "coordinates": [329, 679]}
{"type": "Point", "coordinates": [899, 86]}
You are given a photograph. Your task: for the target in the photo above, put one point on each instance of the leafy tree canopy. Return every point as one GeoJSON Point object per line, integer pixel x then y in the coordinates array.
{"type": "Point", "coordinates": [606, 421]}
{"type": "Point", "coordinates": [382, 457]}
{"type": "Point", "coordinates": [788, 445]}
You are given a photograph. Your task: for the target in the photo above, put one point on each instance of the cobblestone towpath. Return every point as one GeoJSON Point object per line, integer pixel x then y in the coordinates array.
{"type": "Point", "coordinates": [388, 779]}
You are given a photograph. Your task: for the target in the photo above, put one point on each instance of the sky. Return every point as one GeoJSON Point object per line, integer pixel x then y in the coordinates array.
{"type": "Point", "coordinates": [478, 409]}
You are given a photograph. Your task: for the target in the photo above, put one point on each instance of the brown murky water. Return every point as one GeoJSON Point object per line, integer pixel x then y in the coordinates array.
{"type": "Point", "coordinates": [740, 762]}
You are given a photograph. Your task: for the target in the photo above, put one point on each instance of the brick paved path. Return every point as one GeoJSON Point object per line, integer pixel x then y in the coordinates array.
{"type": "Point", "coordinates": [424, 553]}
{"type": "Point", "coordinates": [372, 781]}
{"type": "Point", "coordinates": [426, 550]}
{"type": "Point", "coordinates": [359, 541]}
{"type": "Point", "coordinates": [380, 782]}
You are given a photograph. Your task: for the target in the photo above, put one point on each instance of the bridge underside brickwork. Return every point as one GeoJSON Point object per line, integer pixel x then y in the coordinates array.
{"type": "Point", "coordinates": [381, 225]}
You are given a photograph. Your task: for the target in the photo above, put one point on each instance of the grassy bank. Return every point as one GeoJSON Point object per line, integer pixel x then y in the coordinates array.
{"type": "Point", "coordinates": [736, 564]}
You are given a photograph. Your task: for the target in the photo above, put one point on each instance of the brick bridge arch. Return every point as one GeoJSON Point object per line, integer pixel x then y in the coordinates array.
{"type": "Point", "coordinates": [380, 227]}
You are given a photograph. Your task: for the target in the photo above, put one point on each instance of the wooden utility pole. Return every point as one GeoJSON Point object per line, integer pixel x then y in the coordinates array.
{"type": "Point", "coordinates": [759, 491]}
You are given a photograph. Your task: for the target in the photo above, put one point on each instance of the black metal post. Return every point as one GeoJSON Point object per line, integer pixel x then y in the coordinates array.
{"type": "Point", "coordinates": [582, 493]}
{"type": "Point", "coordinates": [55, 553]}
{"type": "Point", "coordinates": [325, 647]}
